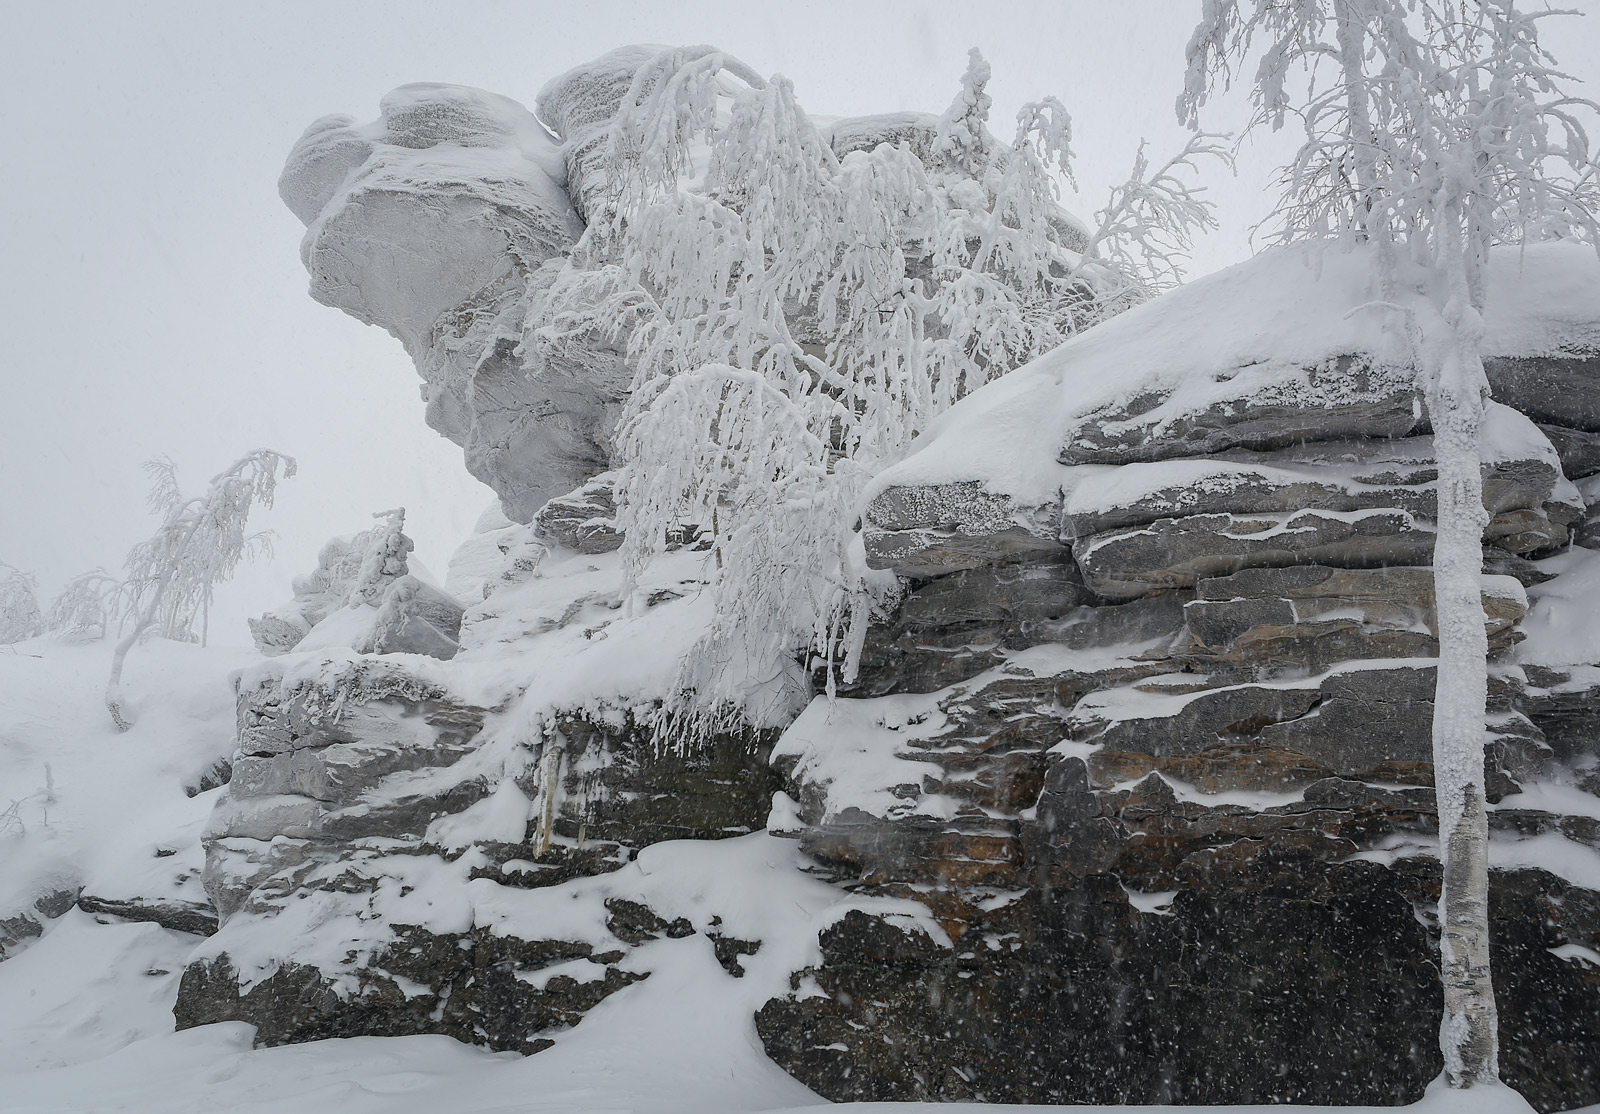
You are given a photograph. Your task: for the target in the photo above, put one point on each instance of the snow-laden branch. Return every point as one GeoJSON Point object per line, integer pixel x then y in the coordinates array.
{"type": "Point", "coordinates": [795, 319]}
{"type": "Point", "coordinates": [172, 574]}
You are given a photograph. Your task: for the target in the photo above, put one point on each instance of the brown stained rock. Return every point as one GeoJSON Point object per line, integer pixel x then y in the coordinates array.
{"type": "Point", "coordinates": [1215, 770]}
{"type": "Point", "coordinates": [1007, 783]}
{"type": "Point", "coordinates": [1176, 726]}
{"type": "Point", "coordinates": [942, 855]}
{"type": "Point", "coordinates": [1230, 858]}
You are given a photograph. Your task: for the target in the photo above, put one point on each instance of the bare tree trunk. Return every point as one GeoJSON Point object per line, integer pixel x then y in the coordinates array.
{"type": "Point", "coordinates": [1468, 1036]}
{"type": "Point", "coordinates": [114, 686]}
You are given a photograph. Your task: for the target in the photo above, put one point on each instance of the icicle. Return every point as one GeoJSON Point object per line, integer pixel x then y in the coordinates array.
{"type": "Point", "coordinates": [549, 789]}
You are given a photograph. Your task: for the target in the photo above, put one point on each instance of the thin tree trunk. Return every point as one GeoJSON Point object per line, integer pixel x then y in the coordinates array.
{"type": "Point", "coordinates": [114, 685]}
{"type": "Point", "coordinates": [1468, 1035]}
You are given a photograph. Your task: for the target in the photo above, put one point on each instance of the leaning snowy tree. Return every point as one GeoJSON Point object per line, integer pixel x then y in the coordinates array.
{"type": "Point", "coordinates": [201, 540]}
{"type": "Point", "coordinates": [1432, 129]}
{"type": "Point", "coordinates": [795, 318]}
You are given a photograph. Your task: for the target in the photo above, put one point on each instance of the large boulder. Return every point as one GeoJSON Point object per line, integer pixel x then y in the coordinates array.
{"type": "Point", "coordinates": [436, 222]}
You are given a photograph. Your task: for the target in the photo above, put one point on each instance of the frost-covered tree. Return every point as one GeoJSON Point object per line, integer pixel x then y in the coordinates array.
{"type": "Point", "coordinates": [795, 318]}
{"type": "Point", "coordinates": [19, 605]}
{"type": "Point", "coordinates": [1431, 127]}
{"type": "Point", "coordinates": [171, 575]}
{"type": "Point", "coordinates": [82, 611]}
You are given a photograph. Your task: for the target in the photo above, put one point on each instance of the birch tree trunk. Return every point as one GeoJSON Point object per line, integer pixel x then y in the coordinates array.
{"type": "Point", "coordinates": [1469, 1036]}
{"type": "Point", "coordinates": [114, 685]}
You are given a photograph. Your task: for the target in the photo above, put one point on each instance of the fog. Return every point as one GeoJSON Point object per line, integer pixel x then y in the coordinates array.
{"type": "Point", "coordinates": [152, 300]}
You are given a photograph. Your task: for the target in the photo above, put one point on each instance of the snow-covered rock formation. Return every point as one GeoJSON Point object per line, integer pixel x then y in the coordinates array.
{"type": "Point", "coordinates": [449, 221]}
{"type": "Point", "coordinates": [440, 222]}
{"type": "Point", "coordinates": [1149, 734]}
{"type": "Point", "coordinates": [364, 595]}
{"type": "Point", "coordinates": [1131, 798]}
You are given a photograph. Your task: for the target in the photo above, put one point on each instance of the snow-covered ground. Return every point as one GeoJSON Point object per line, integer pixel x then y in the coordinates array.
{"type": "Point", "coordinates": [85, 1010]}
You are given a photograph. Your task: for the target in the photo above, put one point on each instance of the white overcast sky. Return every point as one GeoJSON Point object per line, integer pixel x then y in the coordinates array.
{"type": "Point", "coordinates": [152, 300]}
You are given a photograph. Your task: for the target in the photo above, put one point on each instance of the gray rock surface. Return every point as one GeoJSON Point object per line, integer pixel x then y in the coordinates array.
{"type": "Point", "coordinates": [363, 595]}
{"type": "Point", "coordinates": [929, 531]}
{"type": "Point", "coordinates": [583, 520]}
{"type": "Point", "coordinates": [1221, 705]}
{"type": "Point", "coordinates": [433, 223]}
{"type": "Point", "coordinates": [1350, 396]}
{"type": "Point", "coordinates": [1561, 389]}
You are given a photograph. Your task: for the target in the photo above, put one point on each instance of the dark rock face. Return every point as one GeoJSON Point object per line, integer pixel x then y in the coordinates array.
{"type": "Point", "coordinates": [196, 917]}
{"type": "Point", "coordinates": [620, 786]}
{"type": "Point", "coordinates": [1559, 390]}
{"type": "Point", "coordinates": [1198, 1004]}
{"type": "Point", "coordinates": [477, 989]}
{"type": "Point", "coordinates": [1286, 981]}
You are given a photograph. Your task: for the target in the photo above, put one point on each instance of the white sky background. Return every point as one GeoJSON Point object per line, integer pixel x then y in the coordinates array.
{"type": "Point", "coordinates": [152, 299]}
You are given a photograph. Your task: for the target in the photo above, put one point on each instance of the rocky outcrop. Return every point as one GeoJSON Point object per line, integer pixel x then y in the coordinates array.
{"type": "Point", "coordinates": [436, 222]}
{"type": "Point", "coordinates": [583, 520]}
{"type": "Point", "coordinates": [197, 917]}
{"type": "Point", "coordinates": [1144, 739]}
{"type": "Point", "coordinates": [1153, 748]}
{"type": "Point", "coordinates": [388, 814]}
{"type": "Point", "coordinates": [364, 596]}
{"type": "Point", "coordinates": [20, 927]}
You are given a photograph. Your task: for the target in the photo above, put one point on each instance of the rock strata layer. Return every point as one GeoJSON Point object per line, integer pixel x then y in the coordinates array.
{"type": "Point", "coordinates": [1155, 753]}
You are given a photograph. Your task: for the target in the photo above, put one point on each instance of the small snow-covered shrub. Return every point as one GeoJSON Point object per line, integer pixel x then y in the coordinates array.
{"type": "Point", "coordinates": [82, 610]}
{"type": "Point", "coordinates": [19, 605]}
